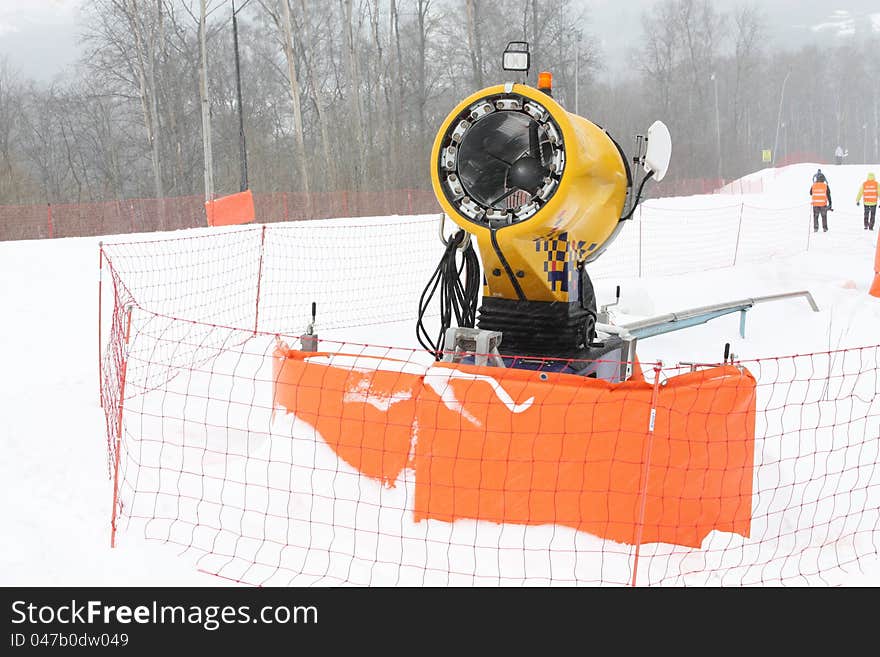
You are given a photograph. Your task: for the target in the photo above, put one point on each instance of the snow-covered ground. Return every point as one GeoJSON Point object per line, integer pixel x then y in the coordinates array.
{"type": "Point", "coordinates": [57, 500]}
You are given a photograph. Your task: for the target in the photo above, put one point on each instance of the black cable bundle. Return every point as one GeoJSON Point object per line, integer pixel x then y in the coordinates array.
{"type": "Point", "coordinates": [459, 294]}
{"type": "Point", "coordinates": [638, 197]}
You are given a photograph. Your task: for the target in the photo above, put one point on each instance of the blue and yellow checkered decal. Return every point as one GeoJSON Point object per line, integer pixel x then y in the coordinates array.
{"type": "Point", "coordinates": [561, 258]}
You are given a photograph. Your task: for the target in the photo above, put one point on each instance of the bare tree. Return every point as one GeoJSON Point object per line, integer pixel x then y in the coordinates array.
{"type": "Point", "coordinates": [317, 96]}
{"type": "Point", "coordinates": [748, 35]}
{"type": "Point", "coordinates": [354, 93]}
{"type": "Point", "coordinates": [395, 75]}
{"type": "Point", "coordinates": [147, 32]}
{"type": "Point", "coordinates": [282, 19]}
{"type": "Point", "coordinates": [474, 41]}
{"type": "Point", "coordinates": [10, 118]}
{"type": "Point", "coordinates": [205, 103]}
{"type": "Point", "coordinates": [346, 92]}
{"type": "Point", "coordinates": [422, 8]}
{"type": "Point", "coordinates": [659, 55]}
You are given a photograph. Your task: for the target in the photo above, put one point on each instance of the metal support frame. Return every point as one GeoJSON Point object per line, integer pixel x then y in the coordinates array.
{"type": "Point", "coordinates": [482, 345]}
{"type": "Point", "coordinates": [645, 328]}
{"type": "Point", "coordinates": [460, 342]}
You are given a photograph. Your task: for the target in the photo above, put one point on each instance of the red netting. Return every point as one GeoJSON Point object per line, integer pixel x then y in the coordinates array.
{"type": "Point", "coordinates": [374, 465]}
{"type": "Point", "coordinates": [19, 222]}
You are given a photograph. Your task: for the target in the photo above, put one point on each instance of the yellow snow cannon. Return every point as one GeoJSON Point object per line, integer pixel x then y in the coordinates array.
{"type": "Point", "coordinates": [538, 187]}
{"type": "Point", "coordinates": [543, 192]}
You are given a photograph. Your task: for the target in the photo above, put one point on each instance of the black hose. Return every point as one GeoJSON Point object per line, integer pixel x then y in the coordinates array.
{"type": "Point", "coordinates": [459, 286]}
{"type": "Point", "coordinates": [638, 196]}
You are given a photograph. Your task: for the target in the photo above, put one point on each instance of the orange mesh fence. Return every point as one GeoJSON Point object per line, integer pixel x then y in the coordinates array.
{"type": "Point", "coordinates": [375, 465]}
{"type": "Point", "coordinates": [686, 187]}
{"type": "Point", "coordinates": [25, 222]}
{"type": "Point", "coordinates": [743, 186]}
{"type": "Point", "coordinates": [148, 215]}
{"type": "Point", "coordinates": [19, 222]}
{"type": "Point", "coordinates": [714, 232]}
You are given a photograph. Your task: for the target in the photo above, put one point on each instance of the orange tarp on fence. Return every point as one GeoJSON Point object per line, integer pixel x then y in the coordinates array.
{"type": "Point", "coordinates": [364, 414]}
{"type": "Point", "coordinates": [517, 446]}
{"type": "Point", "coordinates": [231, 210]}
{"type": "Point", "coordinates": [575, 456]}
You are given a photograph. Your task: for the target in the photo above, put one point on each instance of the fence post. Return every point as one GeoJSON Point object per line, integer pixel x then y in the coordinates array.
{"type": "Point", "coordinates": [119, 427]}
{"type": "Point", "coordinates": [100, 297]}
{"type": "Point", "coordinates": [409, 200]}
{"type": "Point", "coordinates": [646, 459]}
{"type": "Point", "coordinates": [641, 222]}
{"type": "Point", "coordinates": [131, 215]}
{"type": "Point", "coordinates": [345, 203]}
{"type": "Point", "coordinates": [738, 231]}
{"type": "Point", "coordinates": [259, 279]}
{"type": "Point", "coordinates": [117, 217]}
{"type": "Point", "coordinates": [49, 218]}
{"type": "Point", "coordinates": [286, 211]}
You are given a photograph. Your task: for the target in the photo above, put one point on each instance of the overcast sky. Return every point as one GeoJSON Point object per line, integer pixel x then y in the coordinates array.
{"type": "Point", "coordinates": [39, 37]}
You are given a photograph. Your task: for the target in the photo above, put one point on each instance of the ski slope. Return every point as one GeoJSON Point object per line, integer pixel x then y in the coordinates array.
{"type": "Point", "coordinates": [58, 495]}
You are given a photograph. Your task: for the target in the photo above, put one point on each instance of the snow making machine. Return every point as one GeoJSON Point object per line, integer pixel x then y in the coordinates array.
{"type": "Point", "coordinates": [542, 192]}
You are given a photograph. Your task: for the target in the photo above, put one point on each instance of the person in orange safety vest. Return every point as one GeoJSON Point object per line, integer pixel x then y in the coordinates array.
{"type": "Point", "coordinates": [868, 195]}
{"type": "Point", "coordinates": [820, 193]}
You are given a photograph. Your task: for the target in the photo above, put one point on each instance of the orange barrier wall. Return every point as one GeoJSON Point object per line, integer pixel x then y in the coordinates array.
{"type": "Point", "coordinates": [507, 446]}
{"type": "Point", "coordinates": [231, 210]}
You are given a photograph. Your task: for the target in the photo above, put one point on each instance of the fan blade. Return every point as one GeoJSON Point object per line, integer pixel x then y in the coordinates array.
{"type": "Point", "coordinates": [502, 197]}
{"type": "Point", "coordinates": [535, 142]}
{"type": "Point", "coordinates": [495, 157]}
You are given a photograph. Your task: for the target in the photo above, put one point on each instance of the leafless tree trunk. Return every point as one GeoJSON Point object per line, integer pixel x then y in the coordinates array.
{"type": "Point", "coordinates": [354, 95]}
{"type": "Point", "coordinates": [876, 126]}
{"type": "Point", "coordinates": [295, 96]}
{"type": "Point", "coordinates": [659, 56]}
{"type": "Point", "coordinates": [747, 37]}
{"type": "Point", "coordinates": [474, 42]}
{"type": "Point", "coordinates": [376, 79]}
{"type": "Point", "coordinates": [396, 104]}
{"type": "Point", "coordinates": [10, 99]}
{"type": "Point", "coordinates": [535, 44]}
{"type": "Point", "coordinates": [146, 44]}
{"type": "Point", "coordinates": [205, 105]}
{"type": "Point", "coordinates": [422, 7]}
{"type": "Point", "coordinates": [311, 75]}
{"type": "Point", "coordinates": [69, 153]}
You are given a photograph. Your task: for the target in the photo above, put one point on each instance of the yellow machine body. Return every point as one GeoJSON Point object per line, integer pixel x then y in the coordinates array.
{"type": "Point", "coordinates": [536, 258]}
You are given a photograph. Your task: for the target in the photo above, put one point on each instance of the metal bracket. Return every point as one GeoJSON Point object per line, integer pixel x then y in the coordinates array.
{"type": "Point", "coordinates": [464, 242]}
{"type": "Point", "coordinates": [604, 316]}
{"type": "Point", "coordinates": [461, 341]}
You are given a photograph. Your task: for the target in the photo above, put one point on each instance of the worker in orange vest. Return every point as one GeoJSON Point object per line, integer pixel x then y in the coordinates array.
{"type": "Point", "coordinates": [868, 194]}
{"type": "Point", "coordinates": [820, 192]}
